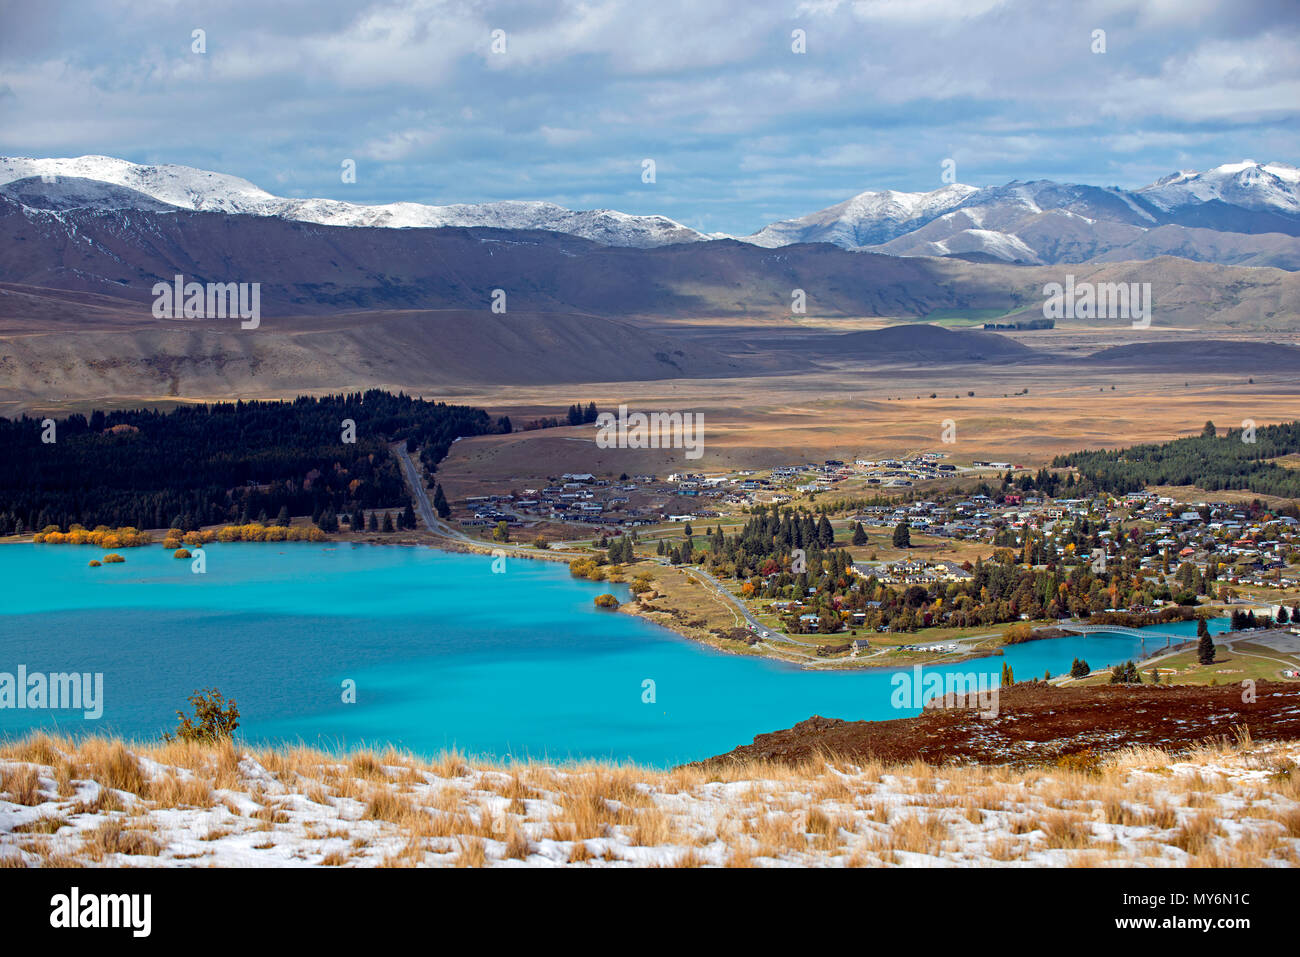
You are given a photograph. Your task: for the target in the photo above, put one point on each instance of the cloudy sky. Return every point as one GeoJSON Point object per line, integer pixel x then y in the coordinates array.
{"type": "Point", "coordinates": [743, 130]}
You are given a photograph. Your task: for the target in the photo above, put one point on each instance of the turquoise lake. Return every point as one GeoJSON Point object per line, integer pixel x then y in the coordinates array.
{"type": "Point", "coordinates": [444, 652]}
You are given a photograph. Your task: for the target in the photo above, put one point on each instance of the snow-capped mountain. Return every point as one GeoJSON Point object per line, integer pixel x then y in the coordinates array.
{"type": "Point", "coordinates": [1266, 186]}
{"type": "Point", "coordinates": [866, 219]}
{"type": "Point", "coordinates": [1243, 213]}
{"type": "Point", "coordinates": [183, 187]}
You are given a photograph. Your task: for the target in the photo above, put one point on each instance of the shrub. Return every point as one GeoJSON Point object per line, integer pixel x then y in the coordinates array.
{"type": "Point", "coordinates": [182, 553]}
{"type": "Point", "coordinates": [213, 719]}
{"type": "Point", "coordinates": [586, 568]}
{"type": "Point", "coordinates": [606, 601]}
{"type": "Point", "coordinates": [113, 558]}
{"type": "Point", "coordinates": [1021, 631]}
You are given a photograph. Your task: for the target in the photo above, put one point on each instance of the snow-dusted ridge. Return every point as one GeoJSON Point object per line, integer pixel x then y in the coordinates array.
{"type": "Point", "coordinates": [187, 188]}
{"type": "Point", "coordinates": [1268, 186]}
{"type": "Point", "coordinates": [1041, 221]}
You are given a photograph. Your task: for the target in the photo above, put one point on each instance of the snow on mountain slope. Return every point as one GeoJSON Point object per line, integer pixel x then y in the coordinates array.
{"type": "Point", "coordinates": [999, 245]}
{"type": "Point", "coordinates": [1039, 221]}
{"type": "Point", "coordinates": [1047, 222]}
{"type": "Point", "coordinates": [865, 219]}
{"type": "Point", "coordinates": [175, 185]}
{"type": "Point", "coordinates": [205, 191]}
{"type": "Point", "coordinates": [1264, 186]}
{"type": "Point", "coordinates": [72, 192]}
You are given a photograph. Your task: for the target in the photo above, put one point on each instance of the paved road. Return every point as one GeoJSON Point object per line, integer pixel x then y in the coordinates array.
{"type": "Point", "coordinates": [431, 520]}
{"type": "Point", "coordinates": [1231, 646]}
{"type": "Point", "coordinates": [413, 480]}
{"type": "Point", "coordinates": [445, 529]}
{"type": "Point", "coordinates": [759, 627]}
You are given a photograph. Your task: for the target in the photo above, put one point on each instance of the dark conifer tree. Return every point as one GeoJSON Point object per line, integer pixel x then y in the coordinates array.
{"type": "Point", "coordinates": [1205, 650]}
{"type": "Point", "coordinates": [440, 502]}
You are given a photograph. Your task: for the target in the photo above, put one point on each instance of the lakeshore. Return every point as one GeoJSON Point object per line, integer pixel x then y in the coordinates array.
{"type": "Point", "coordinates": [444, 653]}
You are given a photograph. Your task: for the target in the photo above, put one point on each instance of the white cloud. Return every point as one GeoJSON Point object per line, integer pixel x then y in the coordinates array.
{"type": "Point", "coordinates": [559, 136]}
{"type": "Point", "coordinates": [739, 124]}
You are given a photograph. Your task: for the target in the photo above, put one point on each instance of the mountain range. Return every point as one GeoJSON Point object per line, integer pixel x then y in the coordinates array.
{"type": "Point", "coordinates": [1243, 213]}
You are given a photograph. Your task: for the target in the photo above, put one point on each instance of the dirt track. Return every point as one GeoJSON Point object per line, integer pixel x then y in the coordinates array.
{"type": "Point", "coordinates": [1039, 723]}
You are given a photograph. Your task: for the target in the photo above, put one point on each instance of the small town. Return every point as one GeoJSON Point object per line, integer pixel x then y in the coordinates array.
{"type": "Point", "coordinates": [908, 558]}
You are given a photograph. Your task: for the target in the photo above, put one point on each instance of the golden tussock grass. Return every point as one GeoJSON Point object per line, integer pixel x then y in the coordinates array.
{"type": "Point", "coordinates": [1066, 831]}
{"type": "Point", "coordinates": [1172, 808]}
{"type": "Point", "coordinates": [384, 804]}
{"type": "Point", "coordinates": [22, 785]}
{"type": "Point", "coordinates": [473, 853]}
{"type": "Point", "coordinates": [111, 837]}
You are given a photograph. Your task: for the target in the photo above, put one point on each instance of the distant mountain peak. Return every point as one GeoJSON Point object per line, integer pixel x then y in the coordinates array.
{"type": "Point", "coordinates": [1225, 214]}
{"type": "Point", "coordinates": [1273, 187]}
{"type": "Point", "coordinates": [1239, 213]}
{"type": "Point", "coordinates": [185, 187]}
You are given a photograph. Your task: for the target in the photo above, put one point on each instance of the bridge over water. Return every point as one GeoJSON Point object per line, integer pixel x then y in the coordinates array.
{"type": "Point", "coordinates": [1124, 630]}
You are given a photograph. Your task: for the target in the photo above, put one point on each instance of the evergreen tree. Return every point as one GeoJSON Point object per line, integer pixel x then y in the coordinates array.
{"type": "Point", "coordinates": [1125, 674]}
{"type": "Point", "coordinates": [903, 535]}
{"type": "Point", "coordinates": [1205, 650]}
{"type": "Point", "coordinates": [283, 517]}
{"type": "Point", "coordinates": [329, 521]}
{"type": "Point", "coordinates": [374, 522]}
{"type": "Point", "coordinates": [387, 524]}
{"type": "Point", "coordinates": [440, 502]}
{"type": "Point", "coordinates": [408, 517]}
{"type": "Point", "coordinates": [825, 533]}
{"type": "Point", "coordinates": [859, 534]}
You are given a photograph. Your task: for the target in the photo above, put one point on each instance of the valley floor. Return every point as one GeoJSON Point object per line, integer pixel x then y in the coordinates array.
{"type": "Point", "coordinates": [99, 802]}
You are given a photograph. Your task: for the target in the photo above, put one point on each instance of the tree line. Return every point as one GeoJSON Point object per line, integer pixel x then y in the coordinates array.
{"type": "Point", "coordinates": [1209, 461]}
{"type": "Point", "coordinates": [220, 463]}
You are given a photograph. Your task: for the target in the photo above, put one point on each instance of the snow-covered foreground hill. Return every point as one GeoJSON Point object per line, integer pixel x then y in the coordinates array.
{"type": "Point", "coordinates": [97, 803]}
